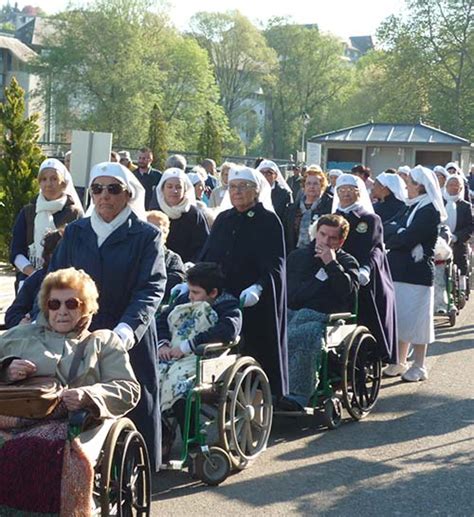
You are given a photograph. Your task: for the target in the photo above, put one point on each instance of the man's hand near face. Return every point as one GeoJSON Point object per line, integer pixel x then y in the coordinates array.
{"type": "Point", "coordinates": [325, 253]}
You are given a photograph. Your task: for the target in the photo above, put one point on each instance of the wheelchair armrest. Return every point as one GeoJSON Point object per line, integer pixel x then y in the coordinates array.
{"type": "Point", "coordinates": [212, 348]}
{"type": "Point", "coordinates": [340, 316]}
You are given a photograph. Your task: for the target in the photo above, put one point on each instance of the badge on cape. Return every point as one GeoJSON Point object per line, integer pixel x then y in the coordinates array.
{"type": "Point", "coordinates": [362, 227]}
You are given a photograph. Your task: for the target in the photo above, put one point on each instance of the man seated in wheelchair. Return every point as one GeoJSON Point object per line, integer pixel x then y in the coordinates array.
{"type": "Point", "coordinates": [205, 314]}
{"type": "Point", "coordinates": [43, 468]}
{"type": "Point", "coordinates": [321, 279]}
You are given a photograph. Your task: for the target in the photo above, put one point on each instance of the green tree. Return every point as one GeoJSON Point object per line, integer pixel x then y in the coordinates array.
{"type": "Point", "coordinates": [21, 157]}
{"type": "Point", "coordinates": [239, 53]}
{"type": "Point", "coordinates": [158, 137]}
{"type": "Point", "coordinates": [311, 77]}
{"type": "Point", "coordinates": [432, 48]}
{"type": "Point", "coordinates": [210, 142]}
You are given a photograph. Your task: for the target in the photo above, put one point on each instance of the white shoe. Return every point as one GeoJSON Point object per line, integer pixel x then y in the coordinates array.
{"type": "Point", "coordinates": [394, 370]}
{"type": "Point", "coordinates": [415, 374]}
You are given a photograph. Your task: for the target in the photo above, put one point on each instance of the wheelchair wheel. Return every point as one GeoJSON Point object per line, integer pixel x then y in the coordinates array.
{"type": "Point", "coordinates": [125, 473]}
{"type": "Point", "coordinates": [245, 412]}
{"type": "Point", "coordinates": [332, 408]}
{"type": "Point", "coordinates": [362, 373]}
{"type": "Point", "coordinates": [452, 317]}
{"type": "Point", "coordinates": [213, 467]}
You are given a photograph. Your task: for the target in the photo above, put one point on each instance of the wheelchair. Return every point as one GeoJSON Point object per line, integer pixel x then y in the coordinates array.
{"type": "Point", "coordinates": [122, 474]}
{"type": "Point", "coordinates": [231, 399]}
{"type": "Point", "coordinates": [454, 297]}
{"type": "Point", "coordinates": [349, 373]}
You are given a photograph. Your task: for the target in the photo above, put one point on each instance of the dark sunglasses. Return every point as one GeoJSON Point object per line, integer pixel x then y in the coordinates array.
{"type": "Point", "coordinates": [113, 188]}
{"type": "Point", "coordinates": [71, 304]}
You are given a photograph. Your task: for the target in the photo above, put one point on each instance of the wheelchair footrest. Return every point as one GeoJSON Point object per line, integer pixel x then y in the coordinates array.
{"type": "Point", "coordinates": [309, 411]}
{"type": "Point", "coordinates": [173, 465]}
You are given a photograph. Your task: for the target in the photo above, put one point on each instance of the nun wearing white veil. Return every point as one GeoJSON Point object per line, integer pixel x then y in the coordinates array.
{"type": "Point", "coordinates": [281, 193]}
{"type": "Point", "coordinates": [124, 256]}
{"type": "Point", "coordinates": [391, 192]}
{"type": "Point", "coordinates": [365, 243]}
{"type": "Point", "coordinates": [247, 241]}
{"type": "Point", "coordinates": [411, 259]}
{"type": "Point", "coordinates": [56, 205]}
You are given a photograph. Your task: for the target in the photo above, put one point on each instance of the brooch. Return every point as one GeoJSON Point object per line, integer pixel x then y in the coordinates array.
{"type": "Point", "coordinates": [251, 213]}
{"type": "Point", "coordinates": [362, 228]}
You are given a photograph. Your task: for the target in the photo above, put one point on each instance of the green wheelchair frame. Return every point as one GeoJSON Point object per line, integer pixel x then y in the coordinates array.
{"type": "Point", "coordinates": [349, 372]}
{"type": "Point", "coordinates": [233, 392]}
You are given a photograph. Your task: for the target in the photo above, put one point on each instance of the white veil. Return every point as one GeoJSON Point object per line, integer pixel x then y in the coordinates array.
{"type": "Point", "coordinates": [353, 181]}
{"type": "Point", "coordinates": [60, 168]}
{"type": "Point", "coordinates": [395, 184]}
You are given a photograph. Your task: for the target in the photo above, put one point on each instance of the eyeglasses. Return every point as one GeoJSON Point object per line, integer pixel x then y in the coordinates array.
{"type": "Point", "coordinates": [71, 304]}
{"type": "Point", "coordinates": [346, 190]}
{"type": "Point", "coordinates": [113, 188]}
{"type": "Point", "coordinates": [240, 188]}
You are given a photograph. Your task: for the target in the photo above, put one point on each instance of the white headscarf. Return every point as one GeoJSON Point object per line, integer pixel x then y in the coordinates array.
{"type": "Point", "coordinates": [45, 209]}
{"type": "Point", "coordinates": [441, 170]}
{"type": "Point", "coordinates": [395, 184]}
{"type": "Point", "coordinates": [404, 169]}
{"type": "Point", "coordinates": [189, 197]}
{"type": "Point", "coordinates": [264, 190]}
{"type": "Point", "coordinates": [335, 172]}
{"type": "Point", "coordinates": [268, 164]}
{"type": "Point", "coordinates": [195, 178]}
{"type": "Point", "coordinates": [451, 201]}
{"type": "Point", "coordinates": [122, 174]}
{"type": "Point", "coordinates": [427, 178]}
{"type": "Point", "coordinates": [136, 202]}
{"type": "Point", "coordinates": [364, 198]}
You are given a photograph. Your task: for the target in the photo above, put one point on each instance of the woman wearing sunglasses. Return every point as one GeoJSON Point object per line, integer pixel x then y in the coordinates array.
{"type": "Point", "coordinates": [125, 257]}
{"type": "Point", "coordinates": [104, 383]}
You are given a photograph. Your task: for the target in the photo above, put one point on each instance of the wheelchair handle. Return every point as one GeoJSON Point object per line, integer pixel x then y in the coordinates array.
{"type": "Point", "coordinates": [203, 350]}
{"type": "Point", "coordinates": [340, 316]}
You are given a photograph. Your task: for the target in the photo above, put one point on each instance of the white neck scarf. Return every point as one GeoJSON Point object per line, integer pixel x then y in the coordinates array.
{"type": "Point", "coordinates": [176, 211]}
{"type": "Point", "coordinates": [44, 222]}
{"type": "Point", "coordinates": [103, 229]}
{"type": "Point", "coordinates": [451, 209]}
{"type": "Point", "coordinates": [419, 202]}
{"type": "Point", "coordinates": [351, 208]}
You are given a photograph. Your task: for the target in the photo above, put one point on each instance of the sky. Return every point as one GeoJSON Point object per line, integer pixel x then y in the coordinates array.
{"type": "Point", "coordinates": [341, 17]}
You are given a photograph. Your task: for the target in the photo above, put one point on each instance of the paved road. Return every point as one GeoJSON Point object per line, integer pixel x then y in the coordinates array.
{"type": "Point", "coordinates": [414, 455]}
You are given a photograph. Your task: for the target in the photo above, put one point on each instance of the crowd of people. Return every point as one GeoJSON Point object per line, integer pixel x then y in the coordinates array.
{"type": "Point", "coordinates": [248, 253]}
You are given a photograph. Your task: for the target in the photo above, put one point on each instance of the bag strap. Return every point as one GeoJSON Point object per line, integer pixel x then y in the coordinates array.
{"type": "Point", "coordinates": [76, 360]}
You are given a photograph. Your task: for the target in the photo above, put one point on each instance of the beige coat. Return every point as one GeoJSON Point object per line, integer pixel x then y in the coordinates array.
{"type": "Point", "coordinates": [105, 372]}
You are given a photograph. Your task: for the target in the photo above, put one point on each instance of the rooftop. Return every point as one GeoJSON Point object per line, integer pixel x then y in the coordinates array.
{"type": "Point", "coordinates": [17, 48]}
{"type": "Point", "coordinates": [373, 132]}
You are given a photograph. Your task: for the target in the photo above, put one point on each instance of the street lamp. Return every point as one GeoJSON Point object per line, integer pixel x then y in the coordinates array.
{"type": "Point", "coordinates": [305, 120]}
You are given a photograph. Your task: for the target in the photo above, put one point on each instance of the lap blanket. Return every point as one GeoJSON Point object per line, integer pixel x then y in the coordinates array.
{"type": "Point", "coordinates": [177, 377]}
{"type": "Point", "coordinates": [41, 471]}
{"type": "Point", "coordinates": [306, 329]}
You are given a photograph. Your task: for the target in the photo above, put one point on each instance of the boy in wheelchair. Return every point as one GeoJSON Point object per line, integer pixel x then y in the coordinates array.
{"type": "Point", "coordinates": [205, 314]}
{"type": "Point", "coordinates": [321, 279]}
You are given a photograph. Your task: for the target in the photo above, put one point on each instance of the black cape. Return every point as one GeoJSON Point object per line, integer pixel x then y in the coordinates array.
{"type": "Point", "coordinates": [250, 248]}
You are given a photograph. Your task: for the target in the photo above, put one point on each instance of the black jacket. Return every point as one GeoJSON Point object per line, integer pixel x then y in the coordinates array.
{"type": "Point", "coordinates": [226, 329]}
{"type": "Point", "coordinates": [389, 208]}
{"type": "Point", "coordinates": [175, 273]}
{"type": "Point", "coordinates": [281, 199]}
{"type": "Point", "coordinates": [149, 182]}
{"type": "Point", "coordinates": [336, 293]}
{"type": "Point", "coordinates": [423, 230]}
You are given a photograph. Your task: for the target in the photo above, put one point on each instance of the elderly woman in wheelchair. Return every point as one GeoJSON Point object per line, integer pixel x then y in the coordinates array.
{"type": "Point", "coordinates": [47, 370]}
{"type": "Point", "coordinates": [327, 352]}
{"type": "Point", "coordinates": [200, 380]}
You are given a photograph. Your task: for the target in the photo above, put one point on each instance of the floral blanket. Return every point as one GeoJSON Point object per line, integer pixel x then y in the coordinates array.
{"type": "Point", "coordinates": [177, 377]}
{"type": "Point", "coordinates": [41, 471]}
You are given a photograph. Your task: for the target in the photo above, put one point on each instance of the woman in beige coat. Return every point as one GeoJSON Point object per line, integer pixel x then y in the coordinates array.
{"type": "Point", "coordinates": [103, 383]}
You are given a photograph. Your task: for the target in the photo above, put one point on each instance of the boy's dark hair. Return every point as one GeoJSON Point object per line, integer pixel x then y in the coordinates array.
{"type": "Point", "coordinates": [50, 241]}
{"type": "Point", "coordinates": [207, 275]}
{"type": "Point", "coordinates": [336, 221]}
